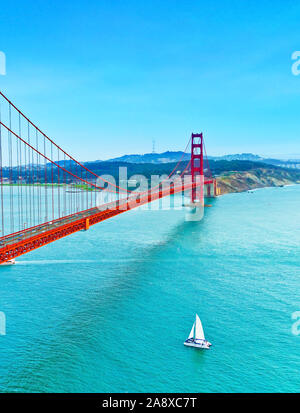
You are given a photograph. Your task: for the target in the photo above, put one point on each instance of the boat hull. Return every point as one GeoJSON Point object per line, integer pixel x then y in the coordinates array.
{"type": "Point", "coordinates": [204, 346]}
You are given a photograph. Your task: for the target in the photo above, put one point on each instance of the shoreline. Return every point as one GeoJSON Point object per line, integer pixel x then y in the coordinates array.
{"type": "Point", "coordinates": [257, 189]}
{"type": "Point", "coordinates": [235, 182]}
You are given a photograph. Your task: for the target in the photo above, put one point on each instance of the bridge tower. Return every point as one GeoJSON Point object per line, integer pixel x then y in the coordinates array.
{"type": "Point", "coordinates": [195, 210]}
{"type": "Point", "coordinates": [197, 171]}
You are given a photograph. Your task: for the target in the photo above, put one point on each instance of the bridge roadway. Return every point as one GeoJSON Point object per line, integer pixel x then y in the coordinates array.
{"type": "Point", "coordinates": [18, 243]}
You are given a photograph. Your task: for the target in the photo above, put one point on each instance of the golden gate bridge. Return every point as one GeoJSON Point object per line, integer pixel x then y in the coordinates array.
{"type": "Point", "coordinates": [46, 194]}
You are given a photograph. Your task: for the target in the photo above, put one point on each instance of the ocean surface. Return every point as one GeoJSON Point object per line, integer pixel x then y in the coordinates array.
{"type": "Point", "coordinates": [108, 310]}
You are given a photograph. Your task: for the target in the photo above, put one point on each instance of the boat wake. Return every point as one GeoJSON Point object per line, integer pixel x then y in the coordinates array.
{"type": "Point", "coordinates": [44, 262]}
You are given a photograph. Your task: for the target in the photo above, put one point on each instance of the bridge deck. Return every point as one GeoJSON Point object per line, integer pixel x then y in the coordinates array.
{"type": "Point", "coordinates": [14, 245]}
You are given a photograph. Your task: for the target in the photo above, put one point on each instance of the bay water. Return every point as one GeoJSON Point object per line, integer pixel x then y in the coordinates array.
{"type": "Point", "coordinates": [108, 310]}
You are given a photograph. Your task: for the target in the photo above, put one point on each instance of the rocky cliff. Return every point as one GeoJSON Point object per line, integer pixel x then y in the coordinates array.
{"type": "Point", "coordinates": [256, 178]}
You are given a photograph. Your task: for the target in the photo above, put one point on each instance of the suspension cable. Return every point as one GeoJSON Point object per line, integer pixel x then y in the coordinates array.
{"type": "Point", "coordinates": [52, 142]}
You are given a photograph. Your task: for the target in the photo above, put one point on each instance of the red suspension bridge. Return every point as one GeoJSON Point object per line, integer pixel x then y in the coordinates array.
{"type": "Point", "coordinates": [45, 194]}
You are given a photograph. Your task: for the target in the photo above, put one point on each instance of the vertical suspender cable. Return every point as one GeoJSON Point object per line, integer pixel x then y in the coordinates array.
{"type": "Point", "coordinates": [45, 183]}
{"type": "Point", "coordinates": [29, 177]}
{"type": "Point", "coordinates": [21, 176]}
{"type": "Point", "coordinates": [52, 181]}
{"type": "Point", "coordinates": [65, 188]}
{"type": "Point", "coordinates": [38, 178]}
{"type": "Point", "coordinates": [18, 177]}
{"type": "Point", "coordinates": [33, 186]}
{"type": "Point", "coordinates": [11, 193]}
{"type": "Point", "coordinates": [87, 192]}
{"type": "Point", "coordinates": [58, 184]}
{"type": "Point", "coordinates": [1, 177]}
{"type": "Point", "coordinates": [26, 186]}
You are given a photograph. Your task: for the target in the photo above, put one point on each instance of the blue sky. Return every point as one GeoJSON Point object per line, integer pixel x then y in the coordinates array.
{"type": "Point", "coordinates": [106, 77]}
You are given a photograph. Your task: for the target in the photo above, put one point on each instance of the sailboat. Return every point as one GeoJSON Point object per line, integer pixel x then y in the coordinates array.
{"type": "Point", "coordinates": [196, 337]}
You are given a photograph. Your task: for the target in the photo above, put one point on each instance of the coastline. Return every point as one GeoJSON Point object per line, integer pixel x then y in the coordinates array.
{"type": "Point", "coordinates": [235, 182]}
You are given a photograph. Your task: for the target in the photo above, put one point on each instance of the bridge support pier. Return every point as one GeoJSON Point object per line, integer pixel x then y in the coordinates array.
{"type": "Point", "coordinates": [209, 190]}
{"type": "Point", "coordinates": [195, 212]}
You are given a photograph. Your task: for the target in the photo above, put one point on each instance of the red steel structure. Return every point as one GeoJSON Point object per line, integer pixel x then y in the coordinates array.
{"type": "Point", "coordinates": [197, 166]}
{"type": "Point", "coordinates": [45, 194]}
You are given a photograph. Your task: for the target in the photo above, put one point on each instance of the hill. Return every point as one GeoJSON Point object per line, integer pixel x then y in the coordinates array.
{"type": "Point", "coordinates": [171, 156]}
{"type": "Point", "coordinates": [232, 176]}
{"type": "Point", "coordinates": [165, 157]}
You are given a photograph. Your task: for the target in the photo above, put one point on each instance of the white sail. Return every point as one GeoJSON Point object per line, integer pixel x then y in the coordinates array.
{"type": "Point", "coordinates": [199, 333]}
{"type": "Point", "coordinates": [192, 332]}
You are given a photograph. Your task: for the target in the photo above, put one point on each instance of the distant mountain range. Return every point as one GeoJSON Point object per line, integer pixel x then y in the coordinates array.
{"type": "Point", "coordinates": [170, 156]}
{"type": "Point", "coordinates": [165, 157]}
{"type": "Point", "coordinates": [262, 172]}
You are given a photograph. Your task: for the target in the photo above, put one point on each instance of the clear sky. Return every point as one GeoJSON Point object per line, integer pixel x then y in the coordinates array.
{"type": "Point", "coordinates": [106, 77]}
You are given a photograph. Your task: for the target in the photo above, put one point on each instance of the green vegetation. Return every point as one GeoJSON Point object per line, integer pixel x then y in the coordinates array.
{"type": "Point", "coordinates": [233, 176]}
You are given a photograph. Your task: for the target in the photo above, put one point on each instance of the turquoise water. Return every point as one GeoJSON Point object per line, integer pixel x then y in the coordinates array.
{"type": "Point", "coordinates": [107, 310]}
